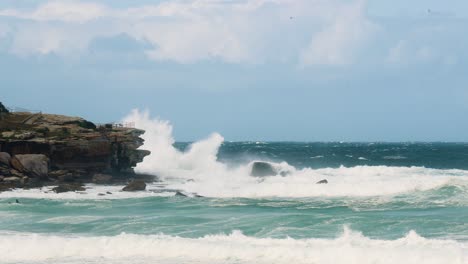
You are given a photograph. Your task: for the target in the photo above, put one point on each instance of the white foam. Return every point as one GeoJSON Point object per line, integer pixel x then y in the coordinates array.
{"type": "Point", "coordinates": [197, 170]}
{"type": "Point", "coordinates": [350, 247]}
{"type": "Point", "coordinates": [92, 192]}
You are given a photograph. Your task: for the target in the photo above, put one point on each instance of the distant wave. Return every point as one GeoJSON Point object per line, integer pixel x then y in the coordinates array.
{"type": "Point", "coordinates": [317, 157]}
{"type": "Point", "coordinates": [394, 157]}
{"type": "Point", "coordinates": [350, 247]}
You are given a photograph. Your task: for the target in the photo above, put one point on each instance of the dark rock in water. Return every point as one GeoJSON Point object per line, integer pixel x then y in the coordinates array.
{"type": "Point", "coordinates": [5, 159]}
{"type": "Point", "coordinates": [102, 178]}
{"type": "Point", "coordinates": [33, 183]}
{"type": "Point", "coordinates": [36, 165]}
{"type": "Point", "coordinates": [68, 177]}
{"type": "Point", "coordinates": [108, 193]}
{"type": "Point", "coordinates": [181, 194]}
{"type": "Point", "coordinates": [58, 173]}
{"type": "Point", "coordinates": [69, 187]}
{"type": "Point", "coordinates": [262, 169]}
{"type": "Point", "coordinates": [136, 185]}
{"type": "Point", "coordinates": [322, 182]}
{"type": "Point", "coordinates": [3, 109]}
{"type": "Point", "coordinates": [101, 194]}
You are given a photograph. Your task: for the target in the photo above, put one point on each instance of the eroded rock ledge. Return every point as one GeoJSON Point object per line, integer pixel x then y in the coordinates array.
{"type": "Point", "coordinates": [45, 149]}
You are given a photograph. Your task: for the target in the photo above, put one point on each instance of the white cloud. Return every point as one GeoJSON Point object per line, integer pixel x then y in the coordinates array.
{"type": "Point", "coordinates": [43, 39]}
{"type": "Point", "coordinates": [65, 11]}
{"type": "Point", "coordinates": [341, 38]}
{"type": "Point", "coordinates": [244, 31]}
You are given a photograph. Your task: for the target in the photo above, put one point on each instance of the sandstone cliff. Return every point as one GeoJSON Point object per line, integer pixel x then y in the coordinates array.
{"type": "Point", "coordinates": [66, 149]}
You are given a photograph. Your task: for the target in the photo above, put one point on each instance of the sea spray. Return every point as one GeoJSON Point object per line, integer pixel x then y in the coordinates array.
{"type": "Point", "coordinates": [197, 170]}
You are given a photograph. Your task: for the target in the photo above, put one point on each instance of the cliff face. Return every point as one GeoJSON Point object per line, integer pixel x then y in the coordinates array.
{"type": "Point", "coordinates": [73, 146]}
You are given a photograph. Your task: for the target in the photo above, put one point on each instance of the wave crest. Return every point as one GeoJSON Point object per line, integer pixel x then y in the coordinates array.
{"type": "Point", "coordinates": [350, 247]}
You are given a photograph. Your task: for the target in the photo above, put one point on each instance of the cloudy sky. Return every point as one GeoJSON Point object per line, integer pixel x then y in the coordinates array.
{"type": "Point", "coordinates": [306, 70]}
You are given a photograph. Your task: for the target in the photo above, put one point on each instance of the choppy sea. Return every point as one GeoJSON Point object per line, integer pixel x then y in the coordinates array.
{"type": "Point", "coordinates": [384, 203]}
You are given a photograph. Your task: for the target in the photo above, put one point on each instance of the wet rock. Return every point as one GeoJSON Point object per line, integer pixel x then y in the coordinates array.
{"type": "Point", "coordinates": [101, 194]}
{"type": "Point", "coordinates": [36, 165]}
{"type": "Point", "coordinates": [102, 178]}
{"type": "Point", "coordinates": [4, 171]}
{"type": "Point", "coordinates": [136, 185]}
{"type": "Point", "coordinates": [3, 109]}
{"type": "Point", "coordinates": [4, 187]}
{"type": "Point", "coordinates": [16, 173]}
{"type": "Point", "coordinates": [69, 187]}
{"type": "Point", "coordinates": [58, 173]}
{"type": "Point", "coordinates": [67, 177]}
{"type": "Point", "coordinates": [33, 183]}
{"type": "Point", "coordinates": [108, 193]}
{"type": "Point", "coordinates": [12, 179]}
{"type": "Point", "coordinates": [5, 159]}
{"type": "Point", "coordinates": [322, 182]}
{"type": "Point", "coordinates": [180, 194]}
{"type": "Point", "coordinates": [262, 169]}
{"type": "Point", "coordinates": [13, 182]}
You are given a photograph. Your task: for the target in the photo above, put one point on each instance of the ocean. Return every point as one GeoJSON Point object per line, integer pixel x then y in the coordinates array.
{"type": "Point", "coordinates": [384, 203]}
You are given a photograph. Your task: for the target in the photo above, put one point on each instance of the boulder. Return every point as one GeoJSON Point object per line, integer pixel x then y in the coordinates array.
{"type": "Point", "coordinates": [4, 171]}
{"type": "Point", "coordinates": [69, 187]}
{"type": "Point", "coordinates": [5, 159]}
{"type": "Point", "coordinates": [178, 193]}
{"type": "Point", "coordinates": [3, 109]}
{"type": "Point", "coordinates": [33, 183]}
{"type": "Point", "coordinates": [58, 173]}
{"type": "Point", "coordinates": [324, 181]}
{"type": "Point", "coordinates": [16, 173]}
{"type": "Point", "coordinates": [101, 178]}
{"type": "Point", "coordinates": [136, 185]}
{"type": "Point", "coordinates": [12, 179]}
{"type": "Point", "coordinates": [67, 177]}
{"type": "Point", "coordinates": [262, 169]}
{"type": "Point", "coordinates": [36, 165]}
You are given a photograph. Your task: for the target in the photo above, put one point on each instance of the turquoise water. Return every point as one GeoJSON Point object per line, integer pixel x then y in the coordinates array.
{"type": "Point", "coordinates": [275, 218]}
{"type": "Point", "coordinates": [409, 201]}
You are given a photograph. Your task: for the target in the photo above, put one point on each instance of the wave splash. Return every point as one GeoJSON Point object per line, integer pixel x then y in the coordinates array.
{"type": "Point", "coordinates": [350, 247]}
{"type": "Point", "coordinates": [197, 170]}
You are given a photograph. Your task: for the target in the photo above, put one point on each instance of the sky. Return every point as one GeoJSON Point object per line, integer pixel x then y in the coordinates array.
{"type": "Point", "coordinates": [273, 70]}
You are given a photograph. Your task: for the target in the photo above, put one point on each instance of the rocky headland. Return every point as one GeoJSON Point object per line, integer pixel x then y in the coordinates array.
{"type": "Point", "coordinates": [38, 149]}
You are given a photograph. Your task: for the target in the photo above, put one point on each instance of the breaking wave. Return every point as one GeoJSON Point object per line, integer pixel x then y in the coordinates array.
{"type": "Point", "coordinates": [350, 247]}
{"type": "Point", "coordinates": [197, 170]}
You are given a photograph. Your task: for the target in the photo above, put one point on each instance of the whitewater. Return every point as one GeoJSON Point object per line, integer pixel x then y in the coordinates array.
{"type": "Point", "coordinates": [384, 203]}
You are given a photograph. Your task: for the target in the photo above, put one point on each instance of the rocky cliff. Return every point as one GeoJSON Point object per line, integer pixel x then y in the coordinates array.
{"type": "Point", "coordinates": [37, 148]}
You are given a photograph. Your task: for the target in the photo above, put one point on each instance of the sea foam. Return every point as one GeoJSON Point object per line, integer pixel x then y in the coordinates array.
{"type": "Point", "coordinates": [197, 170]}
{"type": "Point", "coordinates": [350, 247]}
